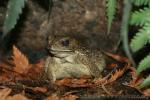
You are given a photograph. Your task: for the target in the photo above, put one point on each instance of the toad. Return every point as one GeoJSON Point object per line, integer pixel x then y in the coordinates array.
{"type": "Point", "coordinates": [70, 59]}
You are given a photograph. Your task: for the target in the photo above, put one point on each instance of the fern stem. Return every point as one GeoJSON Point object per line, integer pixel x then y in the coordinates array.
{"type": "Point", "coordinates": [124, 28]}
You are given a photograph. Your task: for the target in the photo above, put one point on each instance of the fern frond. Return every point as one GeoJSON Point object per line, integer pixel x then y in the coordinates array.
{"type": "Point", "coordinates": [140, 17]}
{"type": "Point", "coordinates": [141, 2]}
{"type": "Point", "coordinates": [145, 83]}
{"type": "Point", "coordinates": [12, 15]}
{"type": "Point", "coordinates": [144, 64]}
{"type": "Point", "coordinates": [50, 8]}
{"type": "Point", "coordinates": [111, 10]}
{"type": "Point", "coordinates": [141, 38]}
{"type": "Point", "coordinates": [138, 41]}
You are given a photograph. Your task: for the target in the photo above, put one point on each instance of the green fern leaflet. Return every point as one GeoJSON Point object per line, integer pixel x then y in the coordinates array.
{"type": "Point", "coordinates": [141, 38]}
{"type": "Point", "coordinates": [111, 10]}
{"type": "Point", "coordinates": [12, 15]}
{"type": "Point", "coordinates": [140, 17]}
{"type": "Point", "coordinates": [141, 2]}
{"type": "Point", "coordinates": [145, 83]}
{"type": "Point", "coordinates": [144, 64]}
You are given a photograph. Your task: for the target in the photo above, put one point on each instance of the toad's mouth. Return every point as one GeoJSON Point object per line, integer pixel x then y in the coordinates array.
{"type": "Point", "coordinates": [58, 50]}
{"type": "Point", "coordinates": [61, 53]}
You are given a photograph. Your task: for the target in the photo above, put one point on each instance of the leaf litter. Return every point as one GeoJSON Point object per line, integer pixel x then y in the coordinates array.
{"type": "Point", "coordinates": [19, 68]}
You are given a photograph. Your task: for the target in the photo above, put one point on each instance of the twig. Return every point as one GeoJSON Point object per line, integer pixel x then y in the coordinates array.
{"type": "Point", "coordinates": [104, 88]}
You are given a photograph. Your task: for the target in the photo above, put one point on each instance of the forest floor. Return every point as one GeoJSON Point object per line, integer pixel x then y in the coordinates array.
{"type": "Point", "coordinates": [24, 80]}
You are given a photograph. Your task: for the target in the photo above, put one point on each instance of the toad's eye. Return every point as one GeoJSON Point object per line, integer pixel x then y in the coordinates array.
{"type": "Point", "coordinates": [65, 42]}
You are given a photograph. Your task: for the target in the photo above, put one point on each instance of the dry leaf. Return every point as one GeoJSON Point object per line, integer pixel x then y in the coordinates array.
{"type": "Point", "coordinates": [6, 64]}
{"type": "Point", "coordinates": [116, 75]}
{"type": "Point", "coordinates": [17, 97]}
{"type": "Point", "coordinates": [52, 97]}
{"type": "Point", "coordinates": [133, 72]}
{"type": "Point", "coordinates": [111, 77]}
{"type": "Point", "coordinates": [146, 92]}
{"type": "Point", "coordinates": [36, 70]}
{"type": "Point", "coordinates": [6, 70]}
{"type": "Point", "coordinates": [101, 81]}
{"type": "Point", "coordinates": [7, 76]}
{"type": "Point", "coordinates": [136, 80]}
{"type": "Point", "coordinates": [4, 93]}
{"type": "Point", "coordinates": [19, 68]}
{"type": "Point", "coordinates": [69, 97]}
{"type": "Point", "coordinates": [63, 82]}
{"type": "Point", "coordinates": [40, 89]}
{"type": "Point", "coordinates": [111, 66]}
{"type": "Point", "coordinates": [74, 83]}
{"type": "Point", "coordinates": [118, 58]}
{"type": "Point", "coordinates": [21, 62]}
